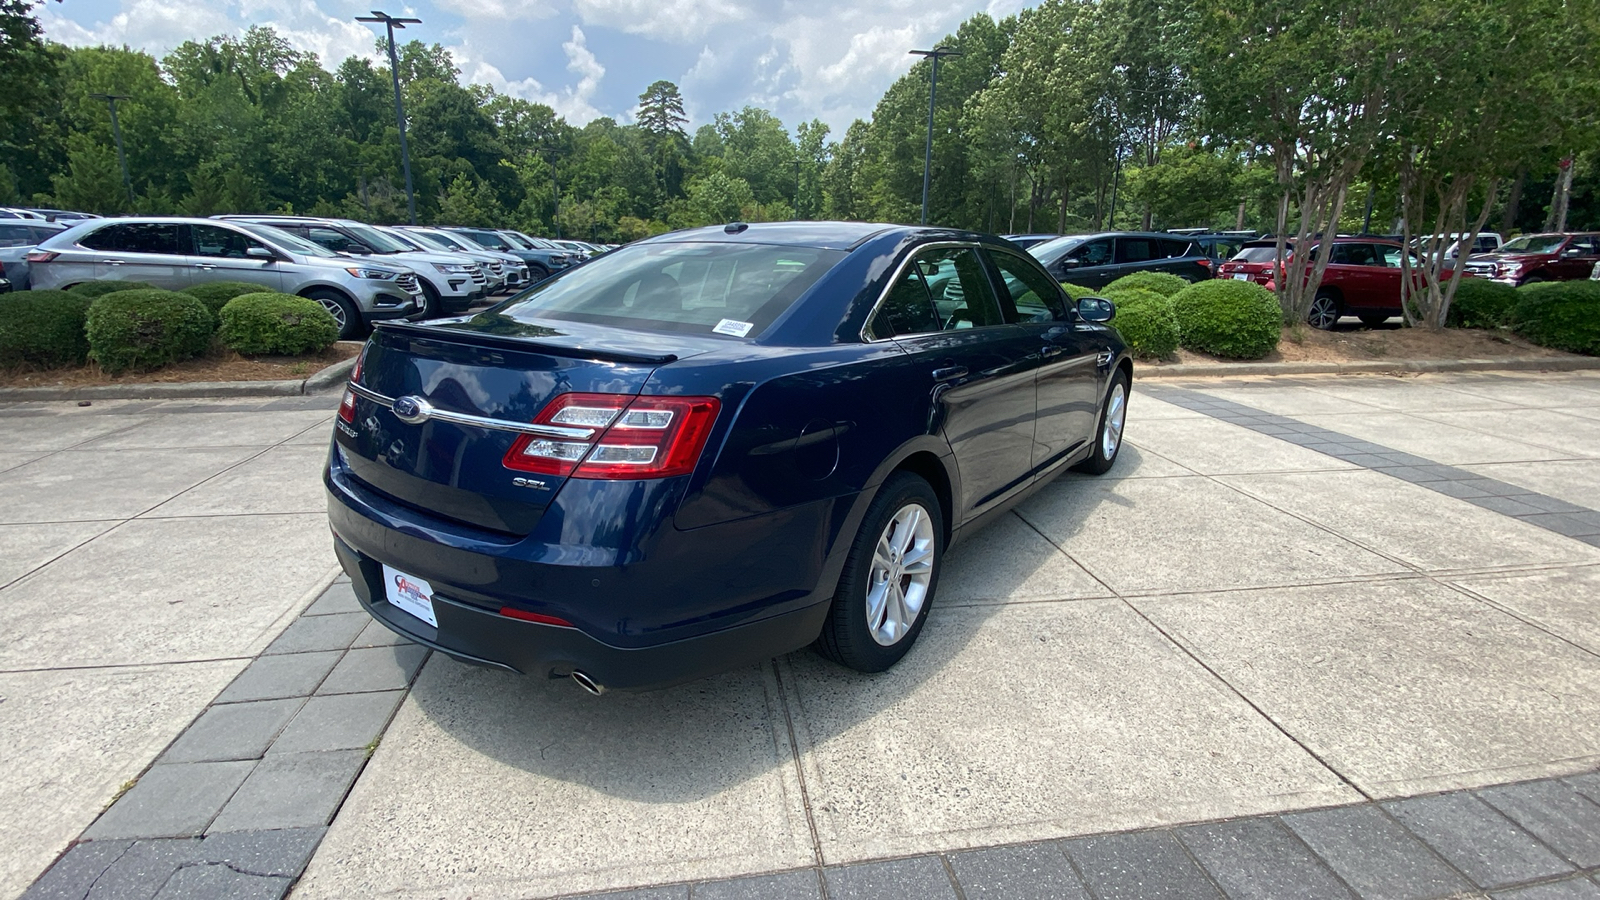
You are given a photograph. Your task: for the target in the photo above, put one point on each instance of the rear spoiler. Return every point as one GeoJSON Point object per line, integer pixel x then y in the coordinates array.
{"type": "Point", "coordinates": [514, 342]}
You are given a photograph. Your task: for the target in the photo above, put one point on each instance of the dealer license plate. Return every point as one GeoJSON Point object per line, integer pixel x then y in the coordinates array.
{"type": "Point", "coordinates": [410, 593]}
{"type": "Point", "coordinates": [1240, 276]}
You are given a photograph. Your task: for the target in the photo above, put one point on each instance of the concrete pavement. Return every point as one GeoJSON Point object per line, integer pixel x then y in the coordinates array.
{"type": "Point", "coordinates": [1243, 620]}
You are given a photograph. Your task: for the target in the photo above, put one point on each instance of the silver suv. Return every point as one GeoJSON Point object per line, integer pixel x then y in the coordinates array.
{"type": "Point", "coordinates": [492, 268]}
{"type": "Point", "coordinates": [518, 275]}
{"type": "Point", "coordinates": [450, 284]}
{"type": "Point", "coordinates": [174, 253]}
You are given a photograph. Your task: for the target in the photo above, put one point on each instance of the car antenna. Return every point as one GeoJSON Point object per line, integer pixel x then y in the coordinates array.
{"type": "Point", "coordinates": [735, 227]}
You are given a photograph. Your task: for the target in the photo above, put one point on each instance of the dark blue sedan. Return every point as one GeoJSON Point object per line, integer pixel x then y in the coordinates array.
{"type": "Point", "coordinates": [713, 447]}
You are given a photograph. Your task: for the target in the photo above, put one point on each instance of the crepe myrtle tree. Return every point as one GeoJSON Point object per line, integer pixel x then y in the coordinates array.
{"type": "Point", "coordinates": [1455, 140]}
{"type": "Point", "coordinates": [1305, 84]}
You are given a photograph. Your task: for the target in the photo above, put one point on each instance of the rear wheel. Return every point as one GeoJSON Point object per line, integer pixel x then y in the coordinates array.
{"type": "Point", "coordinates": [888, 580]}
{"type": "Point", "coordinates": [1324, 311]}
{"type": "Point", "coordinates": [344, 313]}
{"type": "Point", "coordinates": [1108, 437]}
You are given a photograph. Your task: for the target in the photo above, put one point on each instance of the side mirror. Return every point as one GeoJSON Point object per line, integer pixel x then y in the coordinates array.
{"type": "Point", "coordinates": [1070, 262]}
{"type": "Point", "coordinates": [1572, 252]}
{"type": "Point", "coordinates": [1096, 309]}
{"type": "Point", "coordinates": [260, 253]}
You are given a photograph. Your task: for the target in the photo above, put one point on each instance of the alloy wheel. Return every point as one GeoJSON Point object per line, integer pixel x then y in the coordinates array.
{"type": "Point", "coordinates": [1324, 313]}
{"type": "Point", "coordinates": [335, 309]}
{"type": "Point", "coordinates": [902, 569]}
{"type": "Point", "coordinates": [1116, 413]}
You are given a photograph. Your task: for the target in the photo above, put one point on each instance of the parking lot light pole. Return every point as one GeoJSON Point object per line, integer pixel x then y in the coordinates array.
{"type": "Point", "coordinates": [935, 54]}
{"type": "Point", "coordinates": [391, 23]}
{"type": "Point", "coordinates": [116, 132]}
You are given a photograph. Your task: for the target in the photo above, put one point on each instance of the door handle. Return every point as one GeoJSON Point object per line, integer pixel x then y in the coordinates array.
{"type": "Point", "coordinates": [949, 373]}
{"type": "Point", "coordinates": [112, 262]}
{"type": "Point", "coordinates": [206, 266]}
{"type": "Point", "coordinates": [1051, 351]}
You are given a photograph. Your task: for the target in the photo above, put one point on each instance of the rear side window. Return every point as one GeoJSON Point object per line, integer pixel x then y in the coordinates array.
{"type": "Point", "coordinates": [1354, 255]}
{"type": "Point", "coordinates": [700, 288]}
{"type": "Point", "coordinates": [1135, 250]}
{"type": "Point", "coordinates": [489, 239]}
{"type": "Point", "coordinates": [17, 237]}
{"type": "Point", "coordinates": [135, 237]}
{"type": "Point", "coordinates": [1175, 249]}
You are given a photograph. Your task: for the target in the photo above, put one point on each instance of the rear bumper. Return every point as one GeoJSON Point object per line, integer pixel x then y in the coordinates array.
{"type": "Point", "coordinates": [484, 638]}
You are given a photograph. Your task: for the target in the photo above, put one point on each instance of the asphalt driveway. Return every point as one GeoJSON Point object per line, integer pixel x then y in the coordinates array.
{"type": "Point", "coordinates": [1289, 595]}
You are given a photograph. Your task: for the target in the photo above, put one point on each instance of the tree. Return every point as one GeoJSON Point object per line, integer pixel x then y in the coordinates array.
{"type": "Point", "coordinates": [469, 201]}
{"type": "Point", "coordinates": [92, 181]}
{"type": "Point", "coordinates": [660, 111]}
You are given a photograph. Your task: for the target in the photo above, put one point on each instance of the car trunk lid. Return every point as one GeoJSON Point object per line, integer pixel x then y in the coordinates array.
{"type": "Point", "coordinates": [438, 407]}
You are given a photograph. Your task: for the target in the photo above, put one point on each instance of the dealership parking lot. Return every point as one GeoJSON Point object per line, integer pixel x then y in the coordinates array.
{"type": "Point", "coordinates": [1289, 594]}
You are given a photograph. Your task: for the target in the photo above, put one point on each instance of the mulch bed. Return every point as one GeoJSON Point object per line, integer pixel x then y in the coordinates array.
{"type": "Point", "coordinates": [1392, 341]}
{"type": "Point", "coordinates": [219, 365]}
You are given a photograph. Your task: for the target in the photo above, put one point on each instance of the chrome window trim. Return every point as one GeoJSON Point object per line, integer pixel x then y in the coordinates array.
{"type": "Point", "coordinates": [895, 279]}
{"type": "Point", "coordinates": [429, 411]}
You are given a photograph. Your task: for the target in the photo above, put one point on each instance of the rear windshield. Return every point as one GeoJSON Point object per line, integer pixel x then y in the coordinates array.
{"type": "Point", "coordinates": [699, 288]}
{"type": "Point", "coordinates": [1257, 253]}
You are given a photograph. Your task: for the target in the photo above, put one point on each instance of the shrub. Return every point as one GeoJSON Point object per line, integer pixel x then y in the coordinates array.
{"type": "Point", "coordinates": [1164, 283]}
{"type": "Point", "coordinates": [1146, 321]}
{"type": "Point", "coordinates": [43, 328]}
{"type": "Point", "coordinates": [260, 323]}
{"type": "Point", "coordinates": [1562, 315]}
{"type": "Point", "coordinates": [1233, 319]}
{"type": "Point", "coordinates": [146, 329]}
{"type": "Point", "coordinates": [216, 294]}
{"type": "Point", "coordinates": [93, 289]}
{"type": "Point", "coordinates": [1076, 291]}
{"type": "Point", "coordinates": [1481, 303]}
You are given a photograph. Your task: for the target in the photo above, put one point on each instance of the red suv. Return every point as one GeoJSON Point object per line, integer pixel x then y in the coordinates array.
{"type": "Point", "coordinates": [1362, 278]}
{"type": "Point", "coordinates": [1539, 257]}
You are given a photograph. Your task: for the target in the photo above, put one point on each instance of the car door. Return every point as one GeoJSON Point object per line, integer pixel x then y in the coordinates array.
{"type": "Point", "coordinates": [1090, 264]}
{"type": "Point", "coordinates": [943, 313]}
{"type": "Point", "coordinates": [1067, 383]}
{"type": "Point", "coordinates": [1578, 257]}
{"type": "Point", "coordinates": [1139, 254]}
{"type": "Point", "coordinates": [153, 252]}
{"type": "Point", "coordinates": [223, 254]}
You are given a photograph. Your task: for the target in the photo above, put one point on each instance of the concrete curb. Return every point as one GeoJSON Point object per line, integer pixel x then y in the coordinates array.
{"type": "Point", "coordinates": [328, 378]}
{"type": "Point", "coordinates": [1394, 367]}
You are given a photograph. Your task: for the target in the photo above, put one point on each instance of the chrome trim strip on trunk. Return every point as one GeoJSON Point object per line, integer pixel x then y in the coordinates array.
{"type": "Point", "coordinates": [418, 410]}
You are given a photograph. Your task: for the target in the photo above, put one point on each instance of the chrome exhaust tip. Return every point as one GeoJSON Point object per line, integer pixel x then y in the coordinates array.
{"type": "Point", "coordinates": [588, 684]}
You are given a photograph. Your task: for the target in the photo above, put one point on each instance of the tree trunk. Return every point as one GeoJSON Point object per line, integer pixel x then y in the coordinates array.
{"type": "Point", "coordinates": [1238, 221]}
{"type": "Point", "coordinates": [1563, 195]}
{"type": "Point", "coordinates": [1508, 219]}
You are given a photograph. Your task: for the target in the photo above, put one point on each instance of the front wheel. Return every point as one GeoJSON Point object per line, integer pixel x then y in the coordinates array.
{"type": "Point", "coordinates": [1324, 311]}
{"type": "Point", "coordinates": [344, 313]}
{"type": "Point", "coordinates": [888, 580]}
{"type": "Point", "coordinates": [1108, 437]}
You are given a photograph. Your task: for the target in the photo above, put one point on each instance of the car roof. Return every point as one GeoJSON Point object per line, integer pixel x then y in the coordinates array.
{"type": "Point", "coordinates": [821, 235]}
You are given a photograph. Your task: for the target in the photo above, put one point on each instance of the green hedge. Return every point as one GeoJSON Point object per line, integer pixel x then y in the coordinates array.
{"type": "Point", "coordinates": [260, 323]}
{"type": "Point", "coordinates": [43, 328]}
{"type": "Point", "coordinates": [1562, 315]}
{"type": "Point", "coordinates": [216, 294]}
{"type": "Point", "coordinates": [131, 330]}
{"type": "Point", "coordinates": [1146, 321]}
{"type": "Point", "coordinates": [1481, 303]}
{"type": "Point", "coordinates": [1076, 291]}
{"type": "Point", "coordinates": [1233, 319]}
{"type": "Point", "coordinates": [1164, 283]}
{"type": "Point", "coordinates": [93, 289]}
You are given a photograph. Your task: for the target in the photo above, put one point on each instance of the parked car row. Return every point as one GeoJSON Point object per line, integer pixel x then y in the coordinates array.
{"type": "Point", "coordinates": [360, 273]}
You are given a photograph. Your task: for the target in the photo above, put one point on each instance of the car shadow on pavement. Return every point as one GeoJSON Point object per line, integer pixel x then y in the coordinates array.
{"type": "Point", "coordinates": [707, 737]}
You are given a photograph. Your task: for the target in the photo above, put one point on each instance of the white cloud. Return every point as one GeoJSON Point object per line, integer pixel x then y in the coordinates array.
{"type": "Point", "coordinates": [156, 26]}
{"type": "Point", "coordinates": [574, 101]}
{"type": "Point", "coordinates": [673, 20]}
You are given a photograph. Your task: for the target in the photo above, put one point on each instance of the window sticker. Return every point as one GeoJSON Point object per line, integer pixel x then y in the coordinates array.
{"type": "Point", "coordinates": [733, 327]}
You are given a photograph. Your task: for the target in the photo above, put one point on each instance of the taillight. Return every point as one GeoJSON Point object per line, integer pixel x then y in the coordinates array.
{"type": "Point", "coordinates": [347, 406]}
{"type": "Point", "coordinates": [632, 437]}
{"type": "Point", "coordinates": [1203, 263]}
{"type": "Point", "coordinates": [39, 256]}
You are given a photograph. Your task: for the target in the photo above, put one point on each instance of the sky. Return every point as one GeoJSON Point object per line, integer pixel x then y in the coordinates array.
{"type": "Point", "coordinates": [801, 59]}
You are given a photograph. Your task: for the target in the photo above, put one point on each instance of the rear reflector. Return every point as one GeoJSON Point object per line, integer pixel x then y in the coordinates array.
{"type": "Point", "coordinates": [541, 618]}
{"type": "Point", "coordinates": [635, 437]}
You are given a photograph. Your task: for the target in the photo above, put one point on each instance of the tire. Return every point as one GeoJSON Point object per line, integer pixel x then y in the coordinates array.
{"type": "Point", "coordinates": [351, 325]}
{"type": "Point", "coordinates": [1325, 312]}
{"type": "Point", "coordinates": [536, 274]}
{"type": "Point", "coordinates": [432, 305]}
{"type": "Point", "coordinates": [1373, 320]}
{"type": "Point", "coordinates": [905, 519]}
{"type": "Point", "coordinates": [1533, 279]}
{"type": "Point", "coordinates": [1108, 436]}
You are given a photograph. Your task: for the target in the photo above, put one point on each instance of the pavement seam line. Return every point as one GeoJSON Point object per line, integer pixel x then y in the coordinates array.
{"type": "Point", "coordinates": [800, 775]}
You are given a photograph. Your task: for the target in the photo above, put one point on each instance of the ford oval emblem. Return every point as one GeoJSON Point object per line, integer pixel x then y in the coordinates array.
{"type": "Point", "coordinates": [411, 410]}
